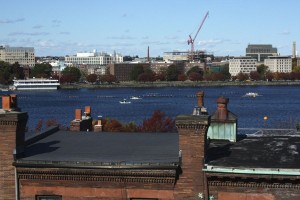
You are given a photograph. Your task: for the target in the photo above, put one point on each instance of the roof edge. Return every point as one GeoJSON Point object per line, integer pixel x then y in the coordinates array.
{"type": "Point", "coordinates": [254, 171]}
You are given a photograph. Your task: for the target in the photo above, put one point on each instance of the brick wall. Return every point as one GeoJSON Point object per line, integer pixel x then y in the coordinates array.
{"type": "Point", "coordinates": [90, 184]}
{"type": "Point", "coordinates": [192, 143]}
{"type": "Point", "coordinates": [12, 130]}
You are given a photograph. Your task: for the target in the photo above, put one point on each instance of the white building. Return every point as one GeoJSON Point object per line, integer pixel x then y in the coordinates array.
{"type": "Point", "coordinates": [94, 58]}
{"type": "Point", "coordinates": [279, 64]}
{"type": "Point", "coordinates": [242, 64]}
{"type": "Point", "coordinates": [23, 55]}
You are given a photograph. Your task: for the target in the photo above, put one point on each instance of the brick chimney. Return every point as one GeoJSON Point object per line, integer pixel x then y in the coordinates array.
{"type": "Point", "coordinates": [12, 137]}
{"type": "Point", "coordinates": [222, 112]}
{"type": "Point", "coordinates": [192, 130]}
{"type": "Point", "coordinates": [200, 109]}
{"type": "Point", "coordinates": [200, 96]}
{"type": "Point", "coordinates": [82, 123]}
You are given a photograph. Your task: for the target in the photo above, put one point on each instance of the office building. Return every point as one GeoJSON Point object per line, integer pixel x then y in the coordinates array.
{"type": "Point", "coordinates": [242, 64]}
{"type": "Point", "coordinates": [260, 51]}
{"type": "Point", "coordinates": [94, 58]}
{"type": "Point", "coordinates": [279, 64]}
{"type": "Point", "coordinates": [23, 55]}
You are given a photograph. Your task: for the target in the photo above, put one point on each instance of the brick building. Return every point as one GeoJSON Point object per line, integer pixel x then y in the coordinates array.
{"type": "Point", "coordinates": [122, 70]}
{"type": "Point", "coordinates": [156, 166]}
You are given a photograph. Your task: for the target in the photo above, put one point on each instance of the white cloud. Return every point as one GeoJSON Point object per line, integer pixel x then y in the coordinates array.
{"type": "Point", "coordinates": [11, 21]}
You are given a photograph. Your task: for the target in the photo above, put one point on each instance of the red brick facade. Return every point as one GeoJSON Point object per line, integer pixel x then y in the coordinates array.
{"type": "Point", "coordinates": [12, 133]}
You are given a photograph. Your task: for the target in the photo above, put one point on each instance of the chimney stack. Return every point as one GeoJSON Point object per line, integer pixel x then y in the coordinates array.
{"type": "Point", "coordinates": [87, 111]}
{"type": "Point", "coordinates": [78, 115]}
{"type": "Point", "coordinates": [12, 137]}
{"type": "Point", "coordinates": [200, 96]}
{"type": "Point", "coordinates": [222, 112]}
{"type": "Point", "coordinates": [9, 102]}
{"type": "Point", "coordinates": [82, 123]}
{"type": "Point", "coordinates": [192, 131]}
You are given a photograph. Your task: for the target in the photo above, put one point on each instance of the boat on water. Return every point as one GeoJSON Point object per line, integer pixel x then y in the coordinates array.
{"type": "Point", "coordinates": [135, 98]}
{"type": "Point", "coordinates": [124, 101]}
{"type": "Point", "coordinates": [35, 84]}
{"type": "Point", "coordinates": [251, 94]}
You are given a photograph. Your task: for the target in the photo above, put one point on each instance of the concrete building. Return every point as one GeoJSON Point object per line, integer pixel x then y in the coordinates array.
{"type": "Point", "coordinates": [186, 164]}
{"type": "Point", "coordinates": [279, 64]}
{"type": "Point", "coordinates": [23, 55]}
{"type": "Point", "coordinates": [260, 51]}
{"type": "Point", "coordinates": [186, 56]}
{"type": "Point", "coordinates": [94, 58]}
{"type": "Point", "coordinates": [242, 64]}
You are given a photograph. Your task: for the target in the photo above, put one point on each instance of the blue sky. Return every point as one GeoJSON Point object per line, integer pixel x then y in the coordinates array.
{"type": "Point", "coordinates": [64, 27]}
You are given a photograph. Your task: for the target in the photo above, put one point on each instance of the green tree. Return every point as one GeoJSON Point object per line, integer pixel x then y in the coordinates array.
{"type": "Point", "coordinates": [9, 72]}
{"type": "Point", "coordinates": [135, 72]}
{"type": "Point", "coordinates": [296, 69]}
{"type": "Point", "coordinates": [262, 70]}
{"type": "Point", "coordinates": [42, 70]}
{"type": "Point", "coordinates": [195, 69]}
{"type": "Point", "coordinates": [172, 73]}
{"type": "Point", "coordinates": [225, 72]}
{"type": "Point", "coordinates": [72, 74]}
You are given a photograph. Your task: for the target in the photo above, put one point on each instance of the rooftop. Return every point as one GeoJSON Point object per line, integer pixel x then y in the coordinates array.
{"type": "Point", "coordinates": [268, 152]}
{"type": "Point", "coordinates": [104, 149]}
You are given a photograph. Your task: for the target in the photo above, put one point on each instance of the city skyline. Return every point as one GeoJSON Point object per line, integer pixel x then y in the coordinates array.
{"type": "Point", "coordinates": [60, 28]}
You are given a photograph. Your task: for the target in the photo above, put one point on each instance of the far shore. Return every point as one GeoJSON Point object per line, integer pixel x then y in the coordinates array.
{"type": "Point", "coordinates": [131, 84]}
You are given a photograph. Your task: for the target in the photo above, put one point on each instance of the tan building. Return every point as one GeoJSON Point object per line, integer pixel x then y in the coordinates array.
{"type": "Point", "coordinates": [279, 64]}
{"type": "Point", "coordinates": [23, 55]}
{"type": "Point", "coordinates": [242, 64]}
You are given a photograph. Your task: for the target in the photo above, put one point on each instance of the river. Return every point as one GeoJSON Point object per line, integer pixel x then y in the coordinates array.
{"type": "Point", "coordinates": [281, 104]}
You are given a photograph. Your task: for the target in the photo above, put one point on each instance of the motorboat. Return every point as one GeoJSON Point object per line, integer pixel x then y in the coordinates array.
{"type": "Point", "coordinates": [135, 98]}
{"type": "Point", "coordinates": [124, 101]}
{"type": "Point", "coordinates": [251, 94]}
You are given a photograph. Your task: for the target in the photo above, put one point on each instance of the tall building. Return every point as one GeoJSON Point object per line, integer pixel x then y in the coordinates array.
{"type": "Point", "coordinates": [242, 64]}
{"type": "Point", "coordinates": [279, 64]}
{"type": "Point", "coordinates": [23, 55]}
{"type": "Point", "coordinates": [260, 51]}
{"type": "Point", "coordinates": [94, 58]}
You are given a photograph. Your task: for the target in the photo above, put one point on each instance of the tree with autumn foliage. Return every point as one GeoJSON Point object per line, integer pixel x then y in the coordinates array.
{"type": "Point", "coordinates": [158, 123]}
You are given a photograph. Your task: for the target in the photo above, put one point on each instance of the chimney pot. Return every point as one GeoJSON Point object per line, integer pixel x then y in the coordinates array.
{"type": "Point", "coordinates": [6, 102]}
{"type": "Point", "coordinates": [222, 108]}
{"type": "Point", "coordinates": [200, 96]}
{"type": "Point", "coordinates": [87, 110]}
{"type": "Point", "coordinates": [78, 115]}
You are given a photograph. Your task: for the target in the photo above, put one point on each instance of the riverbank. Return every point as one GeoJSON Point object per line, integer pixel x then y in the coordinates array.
{"type": "Point", "coordinates": [131, 84]}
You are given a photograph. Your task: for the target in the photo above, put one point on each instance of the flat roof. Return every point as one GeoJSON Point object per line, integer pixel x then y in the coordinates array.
{"type": "Point", "coordinates": [100, 148]}
{"type": "Point", "coordinates": [263, 152]}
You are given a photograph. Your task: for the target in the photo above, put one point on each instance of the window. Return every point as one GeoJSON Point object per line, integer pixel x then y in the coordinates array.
{"type": "Point", "coordinates": [48, 198]}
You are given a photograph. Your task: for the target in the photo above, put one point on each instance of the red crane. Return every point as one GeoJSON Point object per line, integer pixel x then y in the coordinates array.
{"type": "Point", "coordinates": [192, 40]}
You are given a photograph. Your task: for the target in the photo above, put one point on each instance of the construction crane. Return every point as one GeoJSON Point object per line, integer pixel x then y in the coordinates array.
{"type": "Point", "coordinates": [192, 40]}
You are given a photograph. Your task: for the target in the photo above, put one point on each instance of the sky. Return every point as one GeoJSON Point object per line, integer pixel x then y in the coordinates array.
{"type": "Point", "coordinates": [65, 27]}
